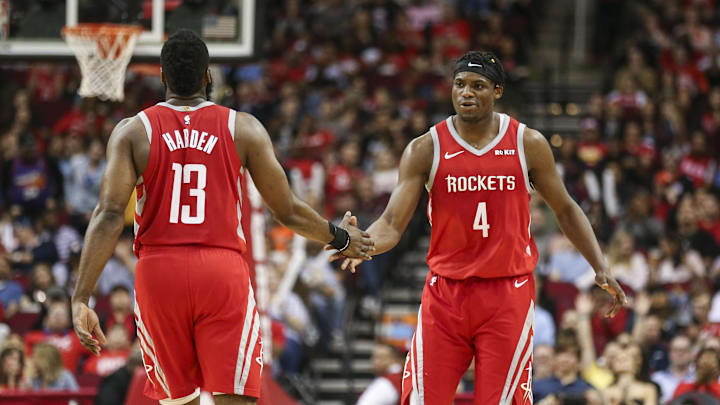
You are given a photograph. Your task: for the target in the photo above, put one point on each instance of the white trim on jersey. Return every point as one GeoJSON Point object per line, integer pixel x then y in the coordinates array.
{"type": "Point", "coordinates": [240, 232]}
{"type": "Point", "coordinates": [502, 128]}
{"type": "Point", "coordinates": [521, 156]}
{"type": "Point", "coordinates": [239, 362]}
{"type": "Point", "coordinates": [184, 108]}
{"type": "Point", "coordinates": [231, 123]}
{"type": "Point", "coordinates": [146, 124]}
{"type": "Point", "coordinates": [528, 327]}
{"type": "Point", "coordinates": [436, 158]}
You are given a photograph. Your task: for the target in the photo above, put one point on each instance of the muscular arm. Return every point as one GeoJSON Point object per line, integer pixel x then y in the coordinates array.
{"type": "Point", "coordinates": [571, 218]}
{"type": "Point", "coordinates": [415, 165]}
{"type": "Point", "coordinates": [106, 222]}
{"type": "Point", "coordinates": [105, 227]}
{"type": "Point", "coordinates": [256, 152]}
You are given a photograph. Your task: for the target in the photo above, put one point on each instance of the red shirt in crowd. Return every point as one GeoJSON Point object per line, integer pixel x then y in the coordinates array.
{"type": "Point", "coordinates": [71, 350]}
{"type": "Point", "coordinates": [712, 388]}
{"type": "Point", "coordinates": [106, 363]}
{"type": "Point", "coordinates": [697, 168]}
{"type": "Point", "coordinates": [128, 323]}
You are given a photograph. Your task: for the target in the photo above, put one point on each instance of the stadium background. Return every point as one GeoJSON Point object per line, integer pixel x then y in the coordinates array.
{"type": "Point", "coordinates": [628, 93]}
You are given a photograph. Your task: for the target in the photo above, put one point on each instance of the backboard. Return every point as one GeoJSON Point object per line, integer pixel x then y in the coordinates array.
{"type": "Point", "coordinates": [30, 29]}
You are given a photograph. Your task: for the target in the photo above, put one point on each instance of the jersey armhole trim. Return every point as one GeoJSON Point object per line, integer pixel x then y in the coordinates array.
{"type": "Point", "coordinates": [521, 156]}
{"type": "Point", "coordinates": [231, 123]}
{"type": "Point", "coordinates": [436, 158]}
{"type": "Point", "coordinates": [146, 124]}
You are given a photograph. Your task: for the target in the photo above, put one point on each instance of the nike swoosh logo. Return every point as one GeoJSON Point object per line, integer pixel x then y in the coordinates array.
{"type": "Point", "coordinates": [450, 156]}
{"type": "Point", "coordinates": [470, 64]}
{"type": "Point", "coordinates": [518, 285]}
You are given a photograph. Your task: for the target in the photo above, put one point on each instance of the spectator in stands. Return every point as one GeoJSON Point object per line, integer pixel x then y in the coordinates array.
{"type": "Point", "coordinates": [47, 372]}
{"type": "Point", "coordinates": [543, 356]}
{"type": "Point", "coordinates": [114, 355]}
{"type": "Point", "coordinates": [639, 222]}
{"type": "Point", "coordinates": [681, 368]}
{"type": "Point", "coordinates": [41, 280]}
{"type": "Point", "coordinates": [57, 332]}
{"type": "Point", "coordinates": [32, 246]}
{"type": "Point", "coordinates": [628, 266]}
{"type": "Point", "coordinates": [121, 311]}
{"type": "Point", "coordinates": [31, 180]}
{"type": "Point", "coordinates": [566, 378]}
{"type": "Point", "coordinates": [114, 388]}
{"type": "Point", "coordinates": [120, 269]}
{"type": "Point", "coordinates": [10, 291]}
{"type": "Point", "coordinates": [675, 265]}
{"type": "Point", "coordinates": [327, 295]}
{"type": "Point", "coordinates": [82, 181]}
{"type": "Point", "coordinates": [647, 332]}
{"type": "Point", "coordinates": [567, 264]}
{"type": "Point", "coordinates": [628, 387]}
{"type": "Point", "coordinates": [386, 388]}
{"type": "Point", "coordinates": [691, 236]}
{"type": "Point", "coordinates": [707, 371]}
{"type": "Point", "coordinates": [12, 363]}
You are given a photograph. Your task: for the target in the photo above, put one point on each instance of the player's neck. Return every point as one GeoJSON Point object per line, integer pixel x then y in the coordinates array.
{"type": "Point", "coordinates": [191, 100]}
{"type": "Point", "coordinates": [476, 131]}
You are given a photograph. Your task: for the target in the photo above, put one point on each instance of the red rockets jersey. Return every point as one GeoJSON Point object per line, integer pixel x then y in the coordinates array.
{"type": "Point", "coordinates": [190, 193]}
{"type": "Point", "coordinates": [479, 205]}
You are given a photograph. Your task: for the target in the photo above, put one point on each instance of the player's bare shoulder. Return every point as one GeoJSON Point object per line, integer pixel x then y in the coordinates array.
{"type": "Point", "coordinates": [250, 135]}
{"type": "Point", "coordinates": [536, 148]}
{"type": "Point", "coordinates": [130, 135]}
{"type": "Point", "coordinates": [418, 156]}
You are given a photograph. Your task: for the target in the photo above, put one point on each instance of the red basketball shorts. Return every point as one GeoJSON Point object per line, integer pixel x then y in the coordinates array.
{"type": "Point", "coordinates": [197, 323]}
{"type": "Point", "coordinates": [490, 320]}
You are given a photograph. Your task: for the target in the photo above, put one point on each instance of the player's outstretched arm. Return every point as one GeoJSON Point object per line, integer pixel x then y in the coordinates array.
{"type": "Point", "coordinates": [256, 153]}
{"type": "Point", "coordinates": [571, 218]}
{"type": "Point", "coordinates": [415, 166]}
{"type": "Point", "coordinates": [105, 227]}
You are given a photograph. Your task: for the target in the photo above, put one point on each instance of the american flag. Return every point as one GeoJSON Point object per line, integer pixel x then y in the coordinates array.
{"type": "Point", "coordinates": [220, 27]}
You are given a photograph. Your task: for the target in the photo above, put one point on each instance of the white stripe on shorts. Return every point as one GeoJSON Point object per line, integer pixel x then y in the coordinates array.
{"type": "Point", "coordinates": [249, 352]}
{"type": "Point", "coordinates": [250, 312]}
{"type": "Point", "coordinates": [147, 345]}
{"type": "Point", "coordinates": [527, 328]}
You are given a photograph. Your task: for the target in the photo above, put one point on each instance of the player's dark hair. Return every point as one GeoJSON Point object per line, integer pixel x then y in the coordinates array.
{"type": "Point", "coordinates": [492, 67]}
{"type": "Point", "coordinates": [184, 58]}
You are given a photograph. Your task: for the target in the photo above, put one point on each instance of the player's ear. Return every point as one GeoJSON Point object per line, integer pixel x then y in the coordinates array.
{"type": "Point", "coordinates": [208, 76]}
{"type": "Point", "coordinates": [162, 76]}
{"type": "Point", "coordinates": [498, 91]}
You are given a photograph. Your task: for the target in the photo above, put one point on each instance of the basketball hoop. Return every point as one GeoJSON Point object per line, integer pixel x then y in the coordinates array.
{"type": "Point", "coordinates": [103, 52]}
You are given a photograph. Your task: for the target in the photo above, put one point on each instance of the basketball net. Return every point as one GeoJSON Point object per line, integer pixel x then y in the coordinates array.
{"type": "Point", "coordinates": [103, 52]}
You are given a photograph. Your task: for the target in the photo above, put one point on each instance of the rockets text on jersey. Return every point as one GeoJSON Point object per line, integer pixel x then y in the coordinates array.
{"type": "Point", "coordinates": [479, 205]}
{"type": "Point", "coordinates": [190, 193]}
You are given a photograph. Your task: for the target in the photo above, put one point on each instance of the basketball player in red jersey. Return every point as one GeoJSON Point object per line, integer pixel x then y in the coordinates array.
{"type": "Point", "coordinates": [198, 326]}
{"type": "Point", "coordinates": [479, 168]}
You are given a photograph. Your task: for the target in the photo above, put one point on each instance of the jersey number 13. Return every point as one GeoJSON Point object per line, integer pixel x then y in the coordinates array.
{"type": "Point", "coordinates": [183, 175]}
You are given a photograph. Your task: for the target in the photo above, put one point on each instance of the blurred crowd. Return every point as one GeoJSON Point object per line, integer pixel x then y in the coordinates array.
{"type": "Point", "coordinates": [644, 169]}
{"type": "Point", "coordinates": [341, 101]}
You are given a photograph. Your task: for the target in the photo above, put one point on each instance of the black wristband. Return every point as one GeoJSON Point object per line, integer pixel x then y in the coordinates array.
{"type": "Point", "coordinates": [341, 239]}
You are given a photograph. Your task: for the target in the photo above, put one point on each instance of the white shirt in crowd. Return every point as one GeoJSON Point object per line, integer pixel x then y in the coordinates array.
{"type": "Point", "coordinates": [381, 391]}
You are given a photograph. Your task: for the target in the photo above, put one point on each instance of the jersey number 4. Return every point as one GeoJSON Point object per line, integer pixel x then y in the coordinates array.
{"type": "Point", "coordinates": [480, 223]}
{"type": "Point", "coordinates": [183, 174]}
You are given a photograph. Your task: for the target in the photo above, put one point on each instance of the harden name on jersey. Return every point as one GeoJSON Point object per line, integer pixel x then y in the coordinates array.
{"type": "Point", "coordinates": [479, 183]}
{"type": "Point", "coordinates": [190, 138]}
